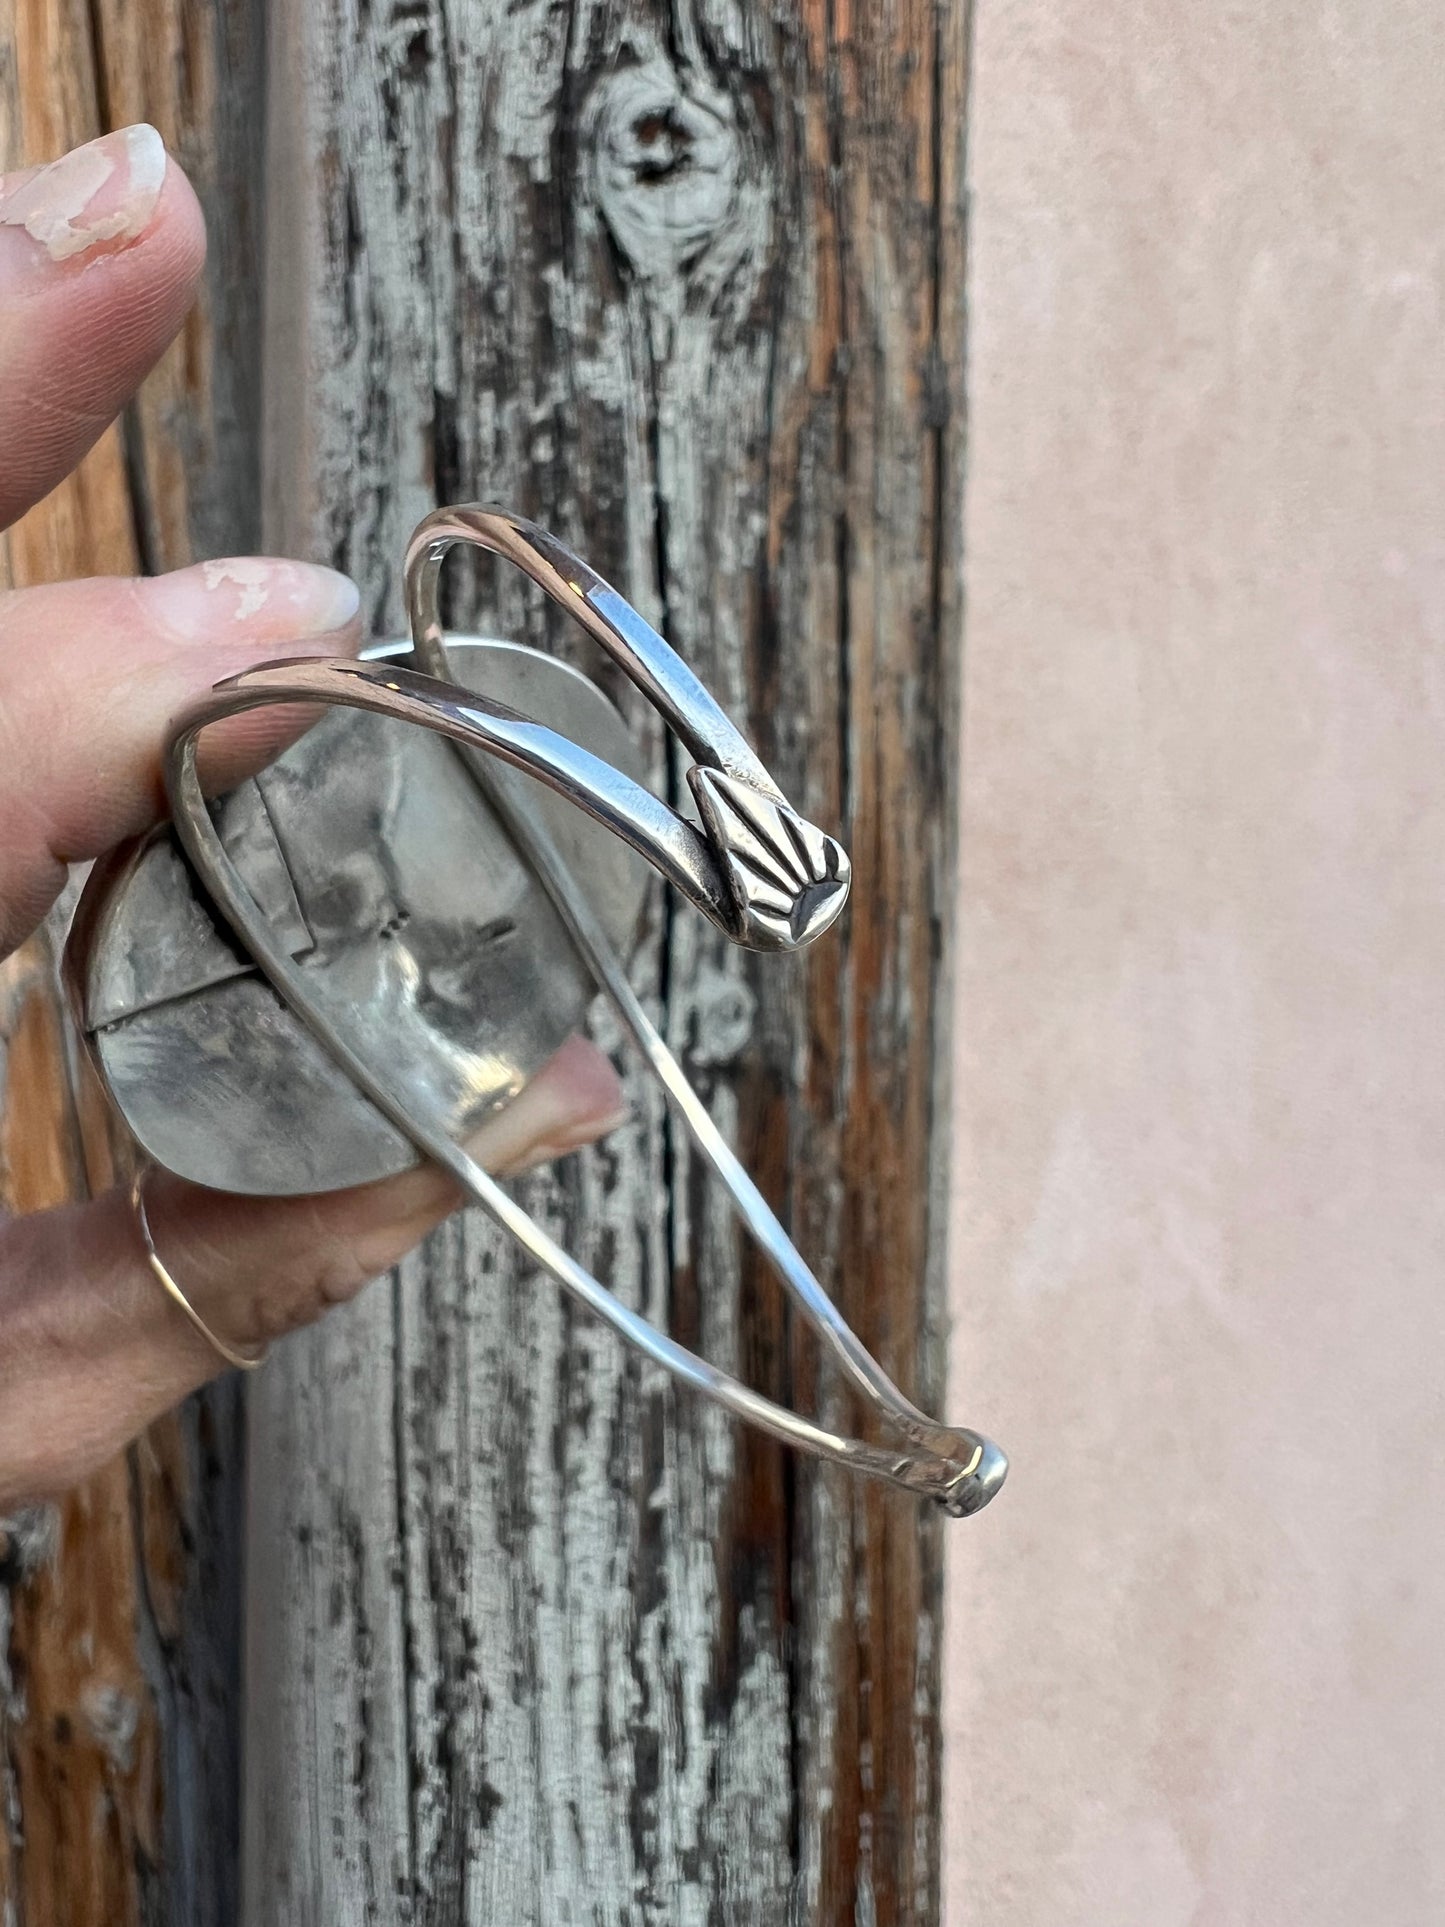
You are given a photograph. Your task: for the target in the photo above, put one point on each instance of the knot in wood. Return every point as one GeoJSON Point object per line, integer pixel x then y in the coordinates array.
{"type": "Point", "coordinates": [667, 159]}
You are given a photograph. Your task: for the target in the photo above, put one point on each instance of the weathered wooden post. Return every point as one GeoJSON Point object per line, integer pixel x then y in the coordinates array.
{"type": "Point", "coordinates": [530, 1635]}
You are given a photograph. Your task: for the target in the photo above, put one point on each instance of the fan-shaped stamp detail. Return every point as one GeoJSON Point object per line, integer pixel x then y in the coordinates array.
{"type": "Point", "coordinates": [789, 881]}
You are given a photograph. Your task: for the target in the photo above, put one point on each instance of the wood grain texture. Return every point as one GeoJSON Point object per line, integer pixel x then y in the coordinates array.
{"type": "Point", "coordinates": [119, 1609]}
{"type": "Point", "coordinates": [533, 1637]}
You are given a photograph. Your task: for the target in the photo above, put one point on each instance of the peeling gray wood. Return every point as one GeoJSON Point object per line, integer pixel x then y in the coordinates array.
{"type": "Point", "coordinates": [533, 1637]}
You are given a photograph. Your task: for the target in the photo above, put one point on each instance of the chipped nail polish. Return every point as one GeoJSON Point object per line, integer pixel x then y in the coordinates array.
{"type": "Point", "coordinates": [288, 600]}
{"type": "Point", "coordinates": [103, 192]}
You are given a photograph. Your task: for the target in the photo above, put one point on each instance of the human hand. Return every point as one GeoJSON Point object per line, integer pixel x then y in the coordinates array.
{"type": "Point", "coordinates": [100, 255]}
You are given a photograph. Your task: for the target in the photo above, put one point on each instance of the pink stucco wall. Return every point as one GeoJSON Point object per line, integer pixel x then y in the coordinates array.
{"type": "Point", "coordinates": [1196, 1656]}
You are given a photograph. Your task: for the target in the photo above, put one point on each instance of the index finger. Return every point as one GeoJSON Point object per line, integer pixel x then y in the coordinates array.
{"type": "Point", "coordinates": [100, 254]}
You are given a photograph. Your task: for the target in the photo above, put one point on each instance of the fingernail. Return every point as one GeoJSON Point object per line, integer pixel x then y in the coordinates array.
{"type": "Point", "coordinates": [103, 192]}
{"type": "Point", "coordinates": [574, 1098]}
{"type": "Point", "coordinates": [541, 1123]}
{"type": "Point", "coordinates": [271, 598]}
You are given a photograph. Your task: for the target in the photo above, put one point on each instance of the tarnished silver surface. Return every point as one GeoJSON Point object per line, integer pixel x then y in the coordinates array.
{"type": "Point", "coordinates": [388, 878]}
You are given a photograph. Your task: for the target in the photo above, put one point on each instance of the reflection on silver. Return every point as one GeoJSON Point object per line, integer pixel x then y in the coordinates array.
{"type": "Point", "coordinates": [392, 882]}
{"type": "Point", "coordinates": [756, 869]}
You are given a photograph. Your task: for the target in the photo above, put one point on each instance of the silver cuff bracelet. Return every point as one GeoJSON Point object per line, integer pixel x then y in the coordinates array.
{"type": "Point", "coordinates": [429, 926]}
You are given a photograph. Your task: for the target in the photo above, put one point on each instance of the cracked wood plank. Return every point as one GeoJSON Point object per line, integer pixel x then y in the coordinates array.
{"type": "Point", "coordinates": [532, 1636]}
{"type": "Point", "coordinates": [119, 1608]}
